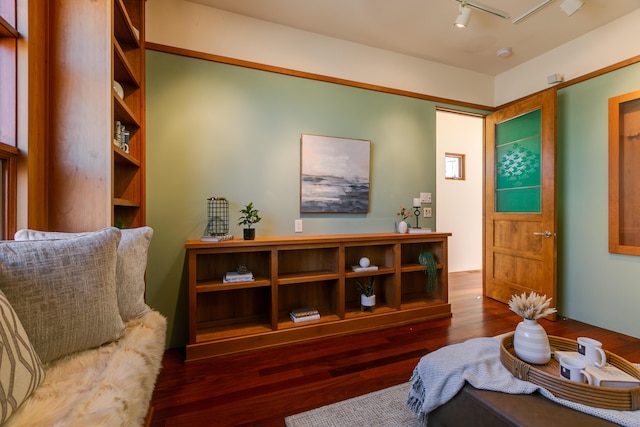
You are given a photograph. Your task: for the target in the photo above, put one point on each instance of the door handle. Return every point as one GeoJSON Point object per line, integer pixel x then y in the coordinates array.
{"type": "Point", "coordinates": [546, 233]}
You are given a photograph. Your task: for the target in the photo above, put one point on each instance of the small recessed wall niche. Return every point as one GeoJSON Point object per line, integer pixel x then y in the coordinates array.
{"type": "Point", "coordinates": [453, 166]}
{"type": "Point", "coordinates": [624, 174]}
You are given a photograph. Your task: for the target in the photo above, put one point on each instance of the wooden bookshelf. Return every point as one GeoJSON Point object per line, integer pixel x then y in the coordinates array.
{"type": "Point", "coordinates": [92, 182]}
{"type": "Point", "coordinates": [307, 271]}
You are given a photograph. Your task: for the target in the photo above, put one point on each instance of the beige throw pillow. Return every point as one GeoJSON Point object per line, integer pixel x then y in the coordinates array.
{"type": "Point", "coordinates": [131, 266]}
{"type": "Point", "coordinates": [21, 370]}
{"type": "Point", "coordinates": [64, 291]}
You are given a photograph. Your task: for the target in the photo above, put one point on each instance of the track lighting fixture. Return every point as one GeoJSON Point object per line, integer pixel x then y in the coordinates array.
{"type": "Point", "coordinates": [571, 6]}
{"type": "Point", "coordinates": [532, 11]}
{"type": "Point", "coordinates": [484, 8]}
{"type": "Point", "coordinates": [464, 13]}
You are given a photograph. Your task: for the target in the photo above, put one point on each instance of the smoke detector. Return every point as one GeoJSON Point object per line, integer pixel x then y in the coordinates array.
{"type": "Point", "coordinates": [504, 52]}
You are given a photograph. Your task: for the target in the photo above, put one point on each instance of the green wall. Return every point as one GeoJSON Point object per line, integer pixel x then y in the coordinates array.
{"type": "Point", "coordinates": [595, 286]}
{"type": "Point", "coordinates": [220, 130]}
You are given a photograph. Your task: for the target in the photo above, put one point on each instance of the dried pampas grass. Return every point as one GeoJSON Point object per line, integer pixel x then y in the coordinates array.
{"type": "Point", "coordinates": [531, 307]}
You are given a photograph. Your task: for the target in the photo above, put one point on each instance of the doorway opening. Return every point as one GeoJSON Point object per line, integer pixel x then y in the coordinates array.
{"type": "Point", "coordinates": [460, 201]}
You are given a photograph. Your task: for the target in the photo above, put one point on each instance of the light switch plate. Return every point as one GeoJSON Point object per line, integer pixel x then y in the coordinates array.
{"type": "Point", "coordinates": [425, 197]}
{"type": "Point", "coordinates": [298, 226]}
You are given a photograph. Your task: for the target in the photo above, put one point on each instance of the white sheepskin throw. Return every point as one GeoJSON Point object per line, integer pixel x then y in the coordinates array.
{"type": "Point", "coordinates": [106, 386]}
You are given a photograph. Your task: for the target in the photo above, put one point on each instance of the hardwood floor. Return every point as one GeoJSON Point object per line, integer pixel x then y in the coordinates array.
{"type": "Point", "coordinates": [262, 388]}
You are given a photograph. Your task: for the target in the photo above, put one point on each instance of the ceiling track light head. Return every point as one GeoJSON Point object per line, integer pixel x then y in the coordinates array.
{"type": "Point", "coordinates": [464, 13]}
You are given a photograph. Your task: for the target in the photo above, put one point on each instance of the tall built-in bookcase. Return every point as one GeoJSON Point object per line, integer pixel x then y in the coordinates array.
{"type": "Point", "coordinates": [92, 182]}
{"type": "Point", "coordinates": [308, 272]}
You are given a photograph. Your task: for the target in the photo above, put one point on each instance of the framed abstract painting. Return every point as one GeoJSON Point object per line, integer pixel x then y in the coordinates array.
{"type": "Point", "coordinates": [334, 174]}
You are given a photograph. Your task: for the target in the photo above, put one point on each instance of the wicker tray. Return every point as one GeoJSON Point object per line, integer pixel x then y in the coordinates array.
{"type": "Point", "coordinates": [548, 376]}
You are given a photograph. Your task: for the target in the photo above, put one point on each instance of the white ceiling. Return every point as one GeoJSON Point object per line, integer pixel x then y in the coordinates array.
{"type": "Point", "coordinates": [424, 28]}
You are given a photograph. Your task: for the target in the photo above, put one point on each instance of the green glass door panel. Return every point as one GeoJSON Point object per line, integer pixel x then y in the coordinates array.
{"type": "Point", "coordinates": [518, 200]}
{"type": "Point", "coordinates": [518, 176]}
{"type": "Point", "coordinates": [518, 164]}
{"type": "Point", "coordinates": [518, 128]}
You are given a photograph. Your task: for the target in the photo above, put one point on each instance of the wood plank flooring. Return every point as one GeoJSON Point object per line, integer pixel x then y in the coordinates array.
{"type": "Point", "coordinates": [262, 388]}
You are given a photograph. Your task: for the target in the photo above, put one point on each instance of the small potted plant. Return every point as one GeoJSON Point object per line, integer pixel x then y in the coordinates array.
{"type": "Point", "coordinates": [402, 225]}
{"type": "Point", "coordinates": [248, 218]}
{"type": "Point", "coordinates": [367, 294]}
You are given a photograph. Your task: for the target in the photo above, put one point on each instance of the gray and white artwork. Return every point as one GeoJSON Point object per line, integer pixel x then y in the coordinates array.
{"type": "Point", "coordinates": [334, 175]}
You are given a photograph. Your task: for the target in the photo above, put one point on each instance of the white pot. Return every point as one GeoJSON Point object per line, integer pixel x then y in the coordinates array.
{"type": "Point", "coordinates": [531, 342]}
{"type": "Point", "coordinates": [402, 227]}
{"type": "Point", "coordinates": [367, 303]}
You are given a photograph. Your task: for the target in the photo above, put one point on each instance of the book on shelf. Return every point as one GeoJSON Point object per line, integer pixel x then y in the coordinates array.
{"type": "Point", "coordinates": [216, 238]}
{"type": "Point", "coordinates": [235, 277]}
{"type": "Point", "coordinates": [304, 315]}
{"type": "Point", "coordinates": [297, 319]}
{"type": "Point", "coordinates": [419, 230]}
{"type": "Point", "coordinates": [358, 269]}
{"type": "Point", "coordinates": [301, 312]}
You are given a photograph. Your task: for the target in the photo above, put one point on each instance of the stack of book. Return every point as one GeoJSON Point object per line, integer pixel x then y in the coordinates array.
{"type": "Point", "coordinates": [304, 315]}
{"type": "Point", "coordinates": [612, 376]}
{"type": "Point", "coordinates": [235, 277]}
{"type": "Point", "coordinates": [419, 230]}
{"type": "Point", "coordinates": [216, 238]}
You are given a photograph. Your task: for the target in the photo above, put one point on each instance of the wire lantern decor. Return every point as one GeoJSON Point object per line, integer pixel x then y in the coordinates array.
{"type": "Point", "coordinates": [217, 216]}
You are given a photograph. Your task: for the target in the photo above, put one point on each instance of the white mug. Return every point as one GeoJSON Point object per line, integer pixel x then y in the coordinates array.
{"type": "Point", "coordinates": [590, 351]}
{"type": "Point", "coordinates": [574, 370]}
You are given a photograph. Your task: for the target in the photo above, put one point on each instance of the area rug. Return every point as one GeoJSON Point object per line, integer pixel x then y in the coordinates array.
{"type": "Point", "coordinates": [383, 408]}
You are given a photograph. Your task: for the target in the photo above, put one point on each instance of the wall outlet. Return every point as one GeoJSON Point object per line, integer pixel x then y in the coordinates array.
{"type": "Point", "coordinates": [427, 212]}
{"type": "Point", "coordinates": [298, 226]}
{"type": "Point", "coordinates": [425, 197]}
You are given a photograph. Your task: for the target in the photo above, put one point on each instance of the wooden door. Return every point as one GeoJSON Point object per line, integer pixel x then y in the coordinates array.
{"type": "Point", "coordinates": [520, 199]}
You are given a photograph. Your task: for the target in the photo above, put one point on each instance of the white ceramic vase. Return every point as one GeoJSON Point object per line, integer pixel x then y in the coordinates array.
{"type": "Point", "coordinates": [402, 227]}
{"type": "Point", "coordinates": [531, 342]}
{"type": "Point", "coordinates": [367, 303]}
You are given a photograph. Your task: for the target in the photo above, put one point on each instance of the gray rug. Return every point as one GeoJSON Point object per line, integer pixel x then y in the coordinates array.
{"type": "Point", "coordinates": [383, 408]}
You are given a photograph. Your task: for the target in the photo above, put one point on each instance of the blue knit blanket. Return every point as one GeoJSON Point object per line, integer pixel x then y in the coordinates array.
{"type": "Point", "coordinates": [441, 374]}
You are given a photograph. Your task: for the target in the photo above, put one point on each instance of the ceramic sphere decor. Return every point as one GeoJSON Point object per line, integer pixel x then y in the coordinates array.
{"type": "Point", "coordinates": [530, 340]}
{"type": "Point", "coordinates": [364, 262]}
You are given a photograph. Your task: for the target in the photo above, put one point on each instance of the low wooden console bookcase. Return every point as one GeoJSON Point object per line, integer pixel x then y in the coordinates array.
{"type": "Point", "coordinates": [296, 272]}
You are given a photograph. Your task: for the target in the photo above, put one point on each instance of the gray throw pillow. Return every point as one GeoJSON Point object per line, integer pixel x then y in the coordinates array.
{"type": "Point", "coordinates": [21, 370]}
{"type": "Point", "coordinates": [130, 270]}
{"type": "Point", "coordinates": [64, 291]}
{"type": "Point", "coordinates": [131, 267]}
